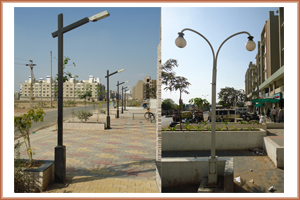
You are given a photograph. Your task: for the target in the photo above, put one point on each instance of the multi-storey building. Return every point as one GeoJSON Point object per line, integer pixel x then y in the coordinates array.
{"type": "Point", "coordinates": [144, 89]}
{"type": "Point", "coordinates": [42, 89]}
{"type": "Point", "coordinates": [264, 79]}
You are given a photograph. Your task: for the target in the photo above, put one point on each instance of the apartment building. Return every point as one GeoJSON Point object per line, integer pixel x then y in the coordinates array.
{"type": "Point", "coordinates": [145, 89]}
{"type": "Point", "coordinates": [43, 90]}
{"type": "Point", "coordinates": [264, 79]}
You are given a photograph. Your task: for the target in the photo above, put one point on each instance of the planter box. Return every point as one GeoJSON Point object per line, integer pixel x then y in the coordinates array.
{"type": "Point", "coordinates": [102, 116]}
{"type": "Point", "coordinates": [84, 126]}
{"type": "Point", "coordinates": [201, 140]}
{"type": "Point", "coordinates": [39, 178]}
{"type": "Point", "coordinates": [229, 125]}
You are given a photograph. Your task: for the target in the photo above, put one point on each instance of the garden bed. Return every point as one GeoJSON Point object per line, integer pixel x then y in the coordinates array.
{"type": "Point", "coordinates": [201, 140]}
{"type": "Point", "coordinates": [36, 179]}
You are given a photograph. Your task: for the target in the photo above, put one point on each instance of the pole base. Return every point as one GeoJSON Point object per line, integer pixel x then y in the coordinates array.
{"type": "Point", "coordinates": [117, 113]}
{"type": "Point", "coordinates": [212, 171]}
{"type": "Point", "coordinates": [60, 164]}
{"type": "Point", "coordinates": [108, 122]}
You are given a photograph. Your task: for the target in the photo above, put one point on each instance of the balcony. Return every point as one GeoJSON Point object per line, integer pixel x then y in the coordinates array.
{"type": "Point", "coordinates": [254, 74]}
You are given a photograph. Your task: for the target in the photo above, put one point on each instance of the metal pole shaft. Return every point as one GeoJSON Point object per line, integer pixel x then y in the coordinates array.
{"type": "Point", "coordinates": [118, 100]}
{"type": "Point", "coordinates": [108, 118]}
{"type": "Point", "coordinates": [60, 81]}
{"type": "Point", "coordinates": [122, 99]}
{"type": "Point", "coordinates": [213, 110]}
{"type": "Point", "coordinates": [31, 86]}
{"type": "Point", "coordinates": [125, 101]}
{"type": "Point", "coordinates": [51, 78]}
{"type": "Point", "coordinates": [235, 108]}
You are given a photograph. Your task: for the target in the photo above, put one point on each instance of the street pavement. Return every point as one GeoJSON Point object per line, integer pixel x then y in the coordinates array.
{"type": "Point", "coordinates": [120, 159]}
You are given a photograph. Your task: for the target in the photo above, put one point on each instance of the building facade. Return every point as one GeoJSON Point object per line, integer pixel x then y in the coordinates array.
{"type": "Point", "coordinates": [145, 89]}
{"type": "Point", "coordinates": [264, 79]}
{"type": "Point", "coordinates": [43, 90]}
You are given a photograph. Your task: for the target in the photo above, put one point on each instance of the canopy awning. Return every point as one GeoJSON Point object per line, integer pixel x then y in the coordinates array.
{"type": "Point", "coordinates": [267, 100]}
{"type": "Point", "coordinates": [259, 105]}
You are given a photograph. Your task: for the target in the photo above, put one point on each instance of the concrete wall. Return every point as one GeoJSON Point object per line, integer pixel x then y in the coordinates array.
{"type": "Point", "coordinates": [275, 152]}
{"type": "Point", "coordinates": [201, 140]}
{"type": "Point", "coordinates": [189, 171]}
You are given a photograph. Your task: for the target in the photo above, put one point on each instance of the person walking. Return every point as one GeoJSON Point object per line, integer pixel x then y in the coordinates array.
{"type": "Point", "coordinates": [274, 112]}
{"type": "Point", "coordinates": [268, 112]}
{"type": "Point", "coordinates": [280, 115]}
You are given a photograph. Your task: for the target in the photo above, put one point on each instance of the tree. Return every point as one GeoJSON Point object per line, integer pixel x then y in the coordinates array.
{"type": "Point", "coordinates": [86, 93]}
{"type": "Point", "coordinates": [181, 84]}
{"type": "Point", "coordinates": [168, 104]}
{"type": "Point", "coordinates": [199, 103]}
{"type": "Point", "coordinates": [100, 91]}
{"type": "Point", "coordinates": [23, 124]}
{"type": "Point", "coordinates": [66, 75]}
{"type": "Point", "coordinates": [167, 73]}
{"type": "Point", "coordinates": [227, 97]}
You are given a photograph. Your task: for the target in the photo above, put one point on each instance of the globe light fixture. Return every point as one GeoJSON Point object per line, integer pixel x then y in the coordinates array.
{"type": "Point", "coordinates": [250, 44]}
{"type": "Point", "coordinates": [180, 41]}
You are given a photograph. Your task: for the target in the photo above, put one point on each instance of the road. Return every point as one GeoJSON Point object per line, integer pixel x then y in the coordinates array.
{"type": "Point", "coordinates": [50, 119]}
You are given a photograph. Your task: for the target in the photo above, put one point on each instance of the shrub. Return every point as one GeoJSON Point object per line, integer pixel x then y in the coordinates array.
{"type": "Point", "coordinates": [23, 124]}
{"type": "Point", "coordinates": [42, 104]}
{"type": "Point", "coordinates": [84, 115]}
{"type": "Point", "coordinates": [16, 105]}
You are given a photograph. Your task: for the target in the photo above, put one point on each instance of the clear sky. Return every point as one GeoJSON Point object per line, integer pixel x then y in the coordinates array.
{"type": "Point", "coordinates": [196, 60]}
{"type": "Point", "coordinates": [127, 39]}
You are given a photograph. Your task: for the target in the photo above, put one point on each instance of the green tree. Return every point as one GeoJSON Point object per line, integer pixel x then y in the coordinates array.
{"type": "Point", "coordinates": [199, 102]}
{"type": "Point", "coordinates": [66, 75]}
{"type": "Point", "coordinates": [227, 97]}
{"type": "Point", "coordinates": [23, 124]}
{"type": "Point", "coordinates": [86, 93]}
{"type": "Point", "coordinates": [178, 83]}
{"type": "Point", "coordinates": [100, 91]}
{"type": "Point", "coordinates": [168, 104]}
{"type": "Point", "coordinates": [167, 73]}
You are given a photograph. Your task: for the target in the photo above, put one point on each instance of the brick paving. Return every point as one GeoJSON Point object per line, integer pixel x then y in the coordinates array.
{"type": "Point", "coordinates": [120, 159]}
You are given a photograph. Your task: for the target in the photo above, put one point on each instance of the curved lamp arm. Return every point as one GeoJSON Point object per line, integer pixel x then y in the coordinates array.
{"type": "Point", "coordinates": [228, 39]}
{"type": "Point", "coordinates": [212, 49]}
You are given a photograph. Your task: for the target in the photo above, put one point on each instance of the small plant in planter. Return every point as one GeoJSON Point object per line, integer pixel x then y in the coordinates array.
{"type": "Point", "coordinates": [243, 122]}
{"type": "Point", "coordinates": [188, 128]}
{"type": "Point", "coordinates": [233, 128]}
{"type": "Point", "coordinates": [84, 115]}
{"type": "Point", "coordinates": [197, 128]}
{"type": "Point", "coordinates": [225, 128]}
{"type": "Point", "coordinates": [172, 128]}
{"type": "Point", "coordinates": [23, 124]}
{"type": "Point", "coordinates": [209, 128]}
{"type": "Point", "coordinates": [219, 129]}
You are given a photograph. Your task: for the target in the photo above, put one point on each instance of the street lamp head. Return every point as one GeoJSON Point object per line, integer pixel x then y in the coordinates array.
{"type": "Point", "coordinates": [250, 45]}
{"type": "Point", "coordinates": [180, 41]}
{"type": "Point", "coordinates": [121, 70]}
{"type": "Point", "coordinates": [99, 16]}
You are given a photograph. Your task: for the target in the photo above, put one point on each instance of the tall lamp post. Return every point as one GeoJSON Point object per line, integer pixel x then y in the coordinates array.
{"type": "Point", "coordinates": [250, 46]}
{"type": "Point", "coordinates": [107, 99]}
{"type": "Point", "coordinates": [123, 88]}
{"type": "Point", "coordinates": [125, 97]}
{"type": "Point", "coordinates": [118, 96]}
{"type": "Point", "coordinates": [60, 150]}
{"type": "Point", "coordinates": [235, 104]}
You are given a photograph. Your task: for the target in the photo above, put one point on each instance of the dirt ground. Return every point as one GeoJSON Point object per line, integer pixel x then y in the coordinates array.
{"type": "Point", "coordinates": [22, 107]}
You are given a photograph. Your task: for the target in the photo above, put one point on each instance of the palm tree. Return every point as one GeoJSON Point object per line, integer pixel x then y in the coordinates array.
{"type": "Point", "coordinates": [178, 83]}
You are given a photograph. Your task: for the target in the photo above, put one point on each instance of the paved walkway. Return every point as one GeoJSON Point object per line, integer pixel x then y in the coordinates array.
{"type": "Point", "coordinates": [121, 159]}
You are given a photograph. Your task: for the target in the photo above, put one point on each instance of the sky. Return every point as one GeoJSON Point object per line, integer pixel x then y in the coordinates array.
{"type": "Point", "coordinates": [127, 39]}
{"type": "Point", "coordinates": [196, 60]}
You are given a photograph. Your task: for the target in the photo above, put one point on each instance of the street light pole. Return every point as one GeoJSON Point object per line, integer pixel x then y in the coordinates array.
{"type": "Point", "coordinates": [250, 46]}
{"type": "Point", "coordinates": [60, 150]}
{"type": "Point", "coordinates": [118, 84]}
{"type": "Point", "coordinates": [107, 99]}
{"type": "Point", "coordinates": [31, 77]}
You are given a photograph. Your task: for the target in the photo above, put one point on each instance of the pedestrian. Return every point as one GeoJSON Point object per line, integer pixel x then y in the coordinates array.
{"type": "Point", "coordinates": [280, 115]}
{"type": "Point", "coordinates": [274, 112]}
{"type": "Point", "coordinates": [268, 112]}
